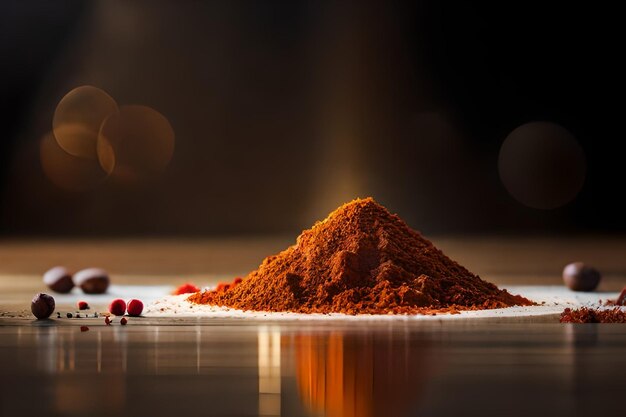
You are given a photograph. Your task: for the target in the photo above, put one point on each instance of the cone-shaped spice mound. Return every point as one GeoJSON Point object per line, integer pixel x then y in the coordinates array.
{"type": "Point", "coordinates": [361, 260]}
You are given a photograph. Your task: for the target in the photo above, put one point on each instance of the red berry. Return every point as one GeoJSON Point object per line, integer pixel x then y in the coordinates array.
{"type": "Point", "coordinates": [117, 307]}
{"type": "Point", "coordinates": [107, 321]}
{"type": "Point", "coordinates": [84, 328]}
{"type": "Point", "coordinates": [82, 305]}
{"type": "Point", "coordinates": [123, 321]}
{"type": "Point", "coordinates": [135, 307]}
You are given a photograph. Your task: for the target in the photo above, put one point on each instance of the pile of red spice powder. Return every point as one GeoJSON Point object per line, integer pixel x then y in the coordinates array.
{"type": "Point", "coordinates": [593, 315]}
{"type": "Point", "coordinates": [361, 260]}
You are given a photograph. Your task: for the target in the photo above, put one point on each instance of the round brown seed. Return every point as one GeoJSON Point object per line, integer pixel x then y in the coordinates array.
{"type": "Point", "coordinates": [42, 305]}
{"type": "Point", "coordinates": [58, 279]}
{"type": "Point", "coordinates": [92, 280]}
{"type": "Point", "coordinates": [580, 277]}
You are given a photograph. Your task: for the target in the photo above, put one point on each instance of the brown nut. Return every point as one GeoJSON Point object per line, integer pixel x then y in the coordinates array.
{"type": "Point", "coordinates": [580, 277]}
{"type": "Point", "coordinates": [92, 280]}
{"type": "Point", "coordinates": [42, 306]}
{"type": "Point", "coordinates": [58, 279]}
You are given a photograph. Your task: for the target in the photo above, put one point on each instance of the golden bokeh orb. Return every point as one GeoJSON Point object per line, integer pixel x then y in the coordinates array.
{"type": "Point", "coordinates": [135, 143]}
{"type": "Point", "coordinates": [78, 117]}
{"type": "Point", "coordinates": [67, 171]}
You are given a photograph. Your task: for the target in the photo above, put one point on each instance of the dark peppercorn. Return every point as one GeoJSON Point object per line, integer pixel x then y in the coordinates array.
{"type": "Point", "coordinates": [42, 306]}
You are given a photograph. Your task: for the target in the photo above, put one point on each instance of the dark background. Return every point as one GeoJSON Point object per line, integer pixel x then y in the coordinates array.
{"type": "Point", "coordinates": [284, 110]}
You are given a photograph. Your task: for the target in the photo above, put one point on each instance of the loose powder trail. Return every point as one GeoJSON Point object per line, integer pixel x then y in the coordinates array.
{"type": "Point", "coordinates": [593, 315]}
{"type": "Point", "coordinates": [360, 260]}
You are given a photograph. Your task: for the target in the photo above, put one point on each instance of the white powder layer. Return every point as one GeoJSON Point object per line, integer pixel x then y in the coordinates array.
{"type": "Point", "coordinates": [552, 299]}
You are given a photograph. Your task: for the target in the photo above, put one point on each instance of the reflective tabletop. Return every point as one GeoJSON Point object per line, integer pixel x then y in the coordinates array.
{"type": "Point", "coordinates": [202, 367]}
{"type": "Point", "coordinates": [218, 368]}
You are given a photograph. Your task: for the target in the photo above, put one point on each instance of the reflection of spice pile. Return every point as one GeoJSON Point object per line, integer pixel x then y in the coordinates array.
{"type": "Point", "coordinates": [361, 259]}
{"type": "Point", "coordinates": [361, 375]}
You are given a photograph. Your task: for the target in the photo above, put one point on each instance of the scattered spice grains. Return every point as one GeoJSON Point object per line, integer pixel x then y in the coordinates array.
{"type": "Point", "coordinates": [186, 288]}
{"type": "Point", "coordinates": [619, 301]}
{"type": "Point", "coordinates": [361, 260]}
{"type": "Point", "coordinates": [593, 315]}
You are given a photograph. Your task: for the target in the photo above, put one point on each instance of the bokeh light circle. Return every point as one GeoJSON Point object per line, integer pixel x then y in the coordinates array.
{"type": "Point", "coordinates": [67, 171]}
{"type": "Point", "coordinates": [135, 143]}
{"type": "Point", "coordinates": [542, 165]}
{"type": "Point", "coordinates": [78, 117]}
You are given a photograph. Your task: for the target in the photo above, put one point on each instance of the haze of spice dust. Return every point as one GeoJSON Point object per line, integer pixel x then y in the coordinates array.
{"type": "Point", "coordinates": [361, 260]}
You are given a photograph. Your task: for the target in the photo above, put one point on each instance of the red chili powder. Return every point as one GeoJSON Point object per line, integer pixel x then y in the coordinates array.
{"type": "Point", "coordinates": [186, 288]}
{"type": "Point", "coordinates": [361, 260]}
{"type": "Point", "coordinates": [620, 301]}
{"type": "Point", "coordinates": [591, 315]}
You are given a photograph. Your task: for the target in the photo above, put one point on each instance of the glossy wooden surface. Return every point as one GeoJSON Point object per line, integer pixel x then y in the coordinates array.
{"type": "Point", "coordinates": [248, 369]}
{"type": "Point", "coordinates": [165, 367]}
